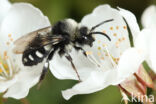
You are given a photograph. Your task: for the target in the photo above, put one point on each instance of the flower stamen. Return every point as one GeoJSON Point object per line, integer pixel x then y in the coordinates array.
{"type": "Point", "coordinates": [7, 69]}
{"type": "Point", "coordinates": [3, 70]}
{"type": "Point", "coordinates": [92, 58]}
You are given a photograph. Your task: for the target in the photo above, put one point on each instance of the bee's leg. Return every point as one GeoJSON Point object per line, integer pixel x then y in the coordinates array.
{"type": "Point", "coordinates": [90, 57]}
{"type": "Point", "coordinates": [79, 48]}
{"type": "Point", "coordinates": [43, 73]}
{"type": "Point", "coordinates": [46, 66]}
{"type": "Point", "coordinates": [69, 58]}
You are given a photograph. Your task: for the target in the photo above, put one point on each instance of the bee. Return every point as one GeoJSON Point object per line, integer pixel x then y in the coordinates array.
{"type": "Point", "coordinates": [61, 37]}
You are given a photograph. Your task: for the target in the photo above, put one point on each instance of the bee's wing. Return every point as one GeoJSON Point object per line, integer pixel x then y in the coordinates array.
{"type": "Point", "coordinates": [35, 40]}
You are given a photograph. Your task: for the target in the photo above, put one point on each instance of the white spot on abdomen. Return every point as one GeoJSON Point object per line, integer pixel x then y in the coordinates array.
{"type": "Point", "coordinates": [25, 60]}
{"type": "Point", "coordinates": [39, 54]}
{"type": "Point", "coordinates": [31, 58]}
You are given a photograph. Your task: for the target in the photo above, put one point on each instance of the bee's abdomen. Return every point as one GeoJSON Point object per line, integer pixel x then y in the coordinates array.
{"type": "Point", "coordinates": [33, 57]}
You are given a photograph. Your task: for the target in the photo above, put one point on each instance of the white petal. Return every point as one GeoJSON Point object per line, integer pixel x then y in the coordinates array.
{"type": "Point", "coordinates": [20, 20]}
{"type": "Point", "coordinates": [62, 69]}
{"type": "Point", "coordinates": [129, 63]}
{"type": "Point", "coordinates": [152, 51]}
{"type": "Point", "coordinates": [98, 80]}
{"type": "Point", "coordinates": [143, 42]}
{"type": "Point", "coordinates": [4, 85]}
{"type": "Point", "coordinates": [148, 17]}
{"type": "Point", "coordinates": [4, 8]}
{"type": "Point", "coordinates": [27, 78]}
{"type": "Point", "coordinates": [131, 21]}
{"type": "Point", "coordinates": [116, 29]}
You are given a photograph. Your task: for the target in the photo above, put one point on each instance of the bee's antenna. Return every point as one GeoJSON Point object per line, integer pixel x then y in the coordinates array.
{"type": "Point", "coordinates": [101, 34]}
{"type": "Point", "coordinates": [94, 27]}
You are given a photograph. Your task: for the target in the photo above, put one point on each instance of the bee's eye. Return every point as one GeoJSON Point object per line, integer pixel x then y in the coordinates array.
{"type": "Point", "coordinates": [83, 30]}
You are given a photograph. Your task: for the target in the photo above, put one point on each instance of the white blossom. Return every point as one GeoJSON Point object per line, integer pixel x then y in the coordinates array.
{"type": "Point", "coordinates": [148, 17]}
{"type": "Point", "coordinates": [107, 62]}
{"type": "Point", "coordinates": [16, 20]}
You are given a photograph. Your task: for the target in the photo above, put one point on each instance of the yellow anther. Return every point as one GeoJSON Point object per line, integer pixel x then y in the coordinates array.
{"type": "Point", "coordinates": [117, 59]}
{"type": "Point", "coordinates": [114, 34]}
{"type": "Point", "coordinates": [7, 71]}
{"type": "Point", "coordinates": [117, 43]}
{"type": "Point", "coordinates": [8, 43]}
{"type": "Point", "coordinates": [113, 57]}
{"type": "Point", "coordinates": [111, 28]}
{"type": "Point", "coordinates": [5, 66]}
{"type": "Point", "coordinates": [11, 39]}
{"type": "Point", "coordinates": [104, 45]}
{"type": "Point", "coordinates": [5, 53]}
{"type": "Point", "coordinates": [99, 48]}
{"type": "Point", "coordinates": [123, 38]}
{"type": "Point", "coordinates": [102, 58]}
{"type": "Point", "coordinates": [125, 27]}
{"type": "Point", "coordinates": [1, 70]}
{"type": "Point", "coordinates": [117, 27]}
{"type": "Point", "coordinates": [104, 31]}
{"type": "Point", "coordinates": [89, 52]}
{"type": "Point", "coordinates": [9, 35]}
{"type": "Point", "coordinates": [119, 40]}
{"type": "Point", "coordinates": [99, 41]}
{"type": "Point", "coordinates": [99, 53]}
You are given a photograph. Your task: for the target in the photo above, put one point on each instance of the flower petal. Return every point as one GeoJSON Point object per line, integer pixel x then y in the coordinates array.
{"type": "Point", "coordinates": [131, 21]}
{"type": "Point", "coordinates": [116, 29]}
{"type": "Point", "coordinates": [129, 63]}
{"type": "Point", "coordinates": [21, 19]}
{"type": "Point", "coordinates": [27, 78]}
{"type": "Point", "coordinates": [5, 7]}
{"type": "Point", "coordinates": [98, 80]}
{"type": "Point", "coordinates": [143, 42]}
{"type": "Point", "coordinates": [148, 17]}
{"type": "Point", "coordinates": [152, 51]}
{"type": "Point", "coordinates": [62, 69]}
{"type": "Point", "coordinates": [4, 85]}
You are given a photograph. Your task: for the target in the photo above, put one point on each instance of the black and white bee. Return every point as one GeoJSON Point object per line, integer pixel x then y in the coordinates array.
{"type": "Point", "coordinates": [64, 35]}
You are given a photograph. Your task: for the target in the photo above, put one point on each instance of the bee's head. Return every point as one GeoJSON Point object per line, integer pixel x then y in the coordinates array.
{"type": "Point", "coordinates": [83, 37]}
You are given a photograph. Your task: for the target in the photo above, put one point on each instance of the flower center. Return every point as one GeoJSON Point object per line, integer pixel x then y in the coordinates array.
{"type": "Point", "coordinates": [7, 68]}
{"type": "Point", "coordinates": [104, 55]}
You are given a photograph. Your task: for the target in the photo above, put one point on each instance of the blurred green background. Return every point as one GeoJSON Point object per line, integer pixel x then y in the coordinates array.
{"type": "Point", "coordinates": [50, 90]}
